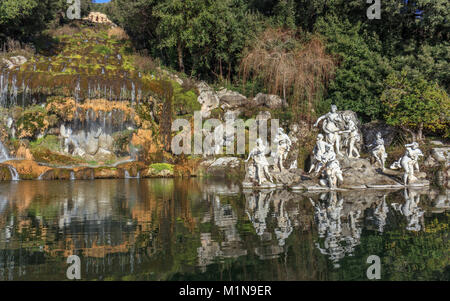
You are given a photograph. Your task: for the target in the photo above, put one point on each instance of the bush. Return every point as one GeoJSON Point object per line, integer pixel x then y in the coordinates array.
{"type": "Point", "coordinates": [118, 33]}
{"type": "Point", "coordinates": [415, 105]}
{"type": "Point", "coordinates": [32, 122]}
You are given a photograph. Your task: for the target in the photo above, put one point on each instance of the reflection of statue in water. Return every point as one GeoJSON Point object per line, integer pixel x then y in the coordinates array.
{"type": "Point", "coordinates": [380, 213]}
{"type": "Point", "coordinates": [378, 151]}
{"type": "Point", "coordinates": [331, 128]}
{"type": "Point", "coordinates": [284, 228]}
{"type": "Point", "coordinates": [260, 163]}
{"type": "Point", "coordinates": [329, 223]}
{"type": "Point", "coordinates": [409, 162]}
{"type": "Point", "coordinates": [411, 210]}
{"type": "Point", "coordinates": [257, 209]}
{"type": "Point", "coordinates": [318, 152]}
{"type": "Point", "coordinates": [283, 143]}
{"type": "Point", "coordinates": [354, 238]}
{"type": "Point", "coordinates": [352, 138]}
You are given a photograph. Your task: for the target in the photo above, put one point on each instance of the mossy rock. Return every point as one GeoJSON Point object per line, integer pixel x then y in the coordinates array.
{"type": "Point", "coordinates": [158, 170]}
{"type": "Point", "coordinates": [57, 174]}
{"type": "Point", "coordinates": [133, 169]}
{"type": "Point", "coordinates": [5, 173]}
{"type": "Point", "coordinates": [84, 173]}
{"type": "Point", "coordinates": [107, 173]}
{"type": "Point", "coordinates": [47, 156]}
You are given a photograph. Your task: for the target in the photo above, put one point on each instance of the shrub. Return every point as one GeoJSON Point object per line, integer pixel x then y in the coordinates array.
{"type": "Point", "coordinates": [32, 122]}
{"type": "Point", "coordinates": [118, 33]}
{"type": "Point", "coordinates": [415, 105]}
{"type": "Point", "coordinates": [144, 63]}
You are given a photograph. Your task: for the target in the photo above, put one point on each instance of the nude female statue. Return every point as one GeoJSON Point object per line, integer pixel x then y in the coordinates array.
{"type": "Point", "coordinates": [331, 129]}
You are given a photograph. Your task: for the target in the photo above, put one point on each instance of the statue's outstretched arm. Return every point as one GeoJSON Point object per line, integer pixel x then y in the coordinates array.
{"type": "Point", "coordinates": [320, 119]}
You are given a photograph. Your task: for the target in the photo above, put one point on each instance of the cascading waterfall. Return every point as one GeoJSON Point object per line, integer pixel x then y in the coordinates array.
{"type": "Point", "coordinates": [3, 153]}
{"type": "Point", "coordinates": [127, 175]}
{"type": "Point", "coordinates": [4, 82]}
{"type": "Point", "coordinates": [14, 173]}
{"type": "Point", "coordinates": [72, 176]}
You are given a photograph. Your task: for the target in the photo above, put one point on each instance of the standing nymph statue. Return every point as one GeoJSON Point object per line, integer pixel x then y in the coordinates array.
{"type": "Point", "coordinates": [352, 138]}
{"type": "Point", "coordinates": [283, 143]}
{"type": "Point", "coordinates": [378, 151]}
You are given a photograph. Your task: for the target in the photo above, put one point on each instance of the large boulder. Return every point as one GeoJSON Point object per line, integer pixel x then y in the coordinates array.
{"type": "Point", "coordinates": [267, 100]}
{"type": "Point", "coordinates": [231, 99]}
{"type": "Point", "coordinates": [14, 61]}
{"type": "Point", "coordinates": [223, 167]}
{"type": "Point", "coordinates": [207, 98]}
{"type": "Point", "coordinates": [370, 130]}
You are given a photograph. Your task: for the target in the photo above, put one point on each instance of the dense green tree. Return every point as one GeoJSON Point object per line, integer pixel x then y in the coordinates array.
{"type": "Point", "coordinates": [358, 81]}
{"type": "Point", "coordinates": [415, 105]}
{"type": "Point", "coordinates": [19, 19]}
{"type": "Point", "coordinates": [23, 19]}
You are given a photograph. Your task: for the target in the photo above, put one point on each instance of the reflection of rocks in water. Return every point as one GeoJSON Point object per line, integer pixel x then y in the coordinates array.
{"type": "Point", "coordinates": [411, 210]}
{"type": "Point", "coordinates": [208, 251]}
{"type": "Point", "coordinates": [441, 202]}
{"type": "Point", "coordinates": [221, 188]}
{"type": "Point", "coordinates": [225, 218]}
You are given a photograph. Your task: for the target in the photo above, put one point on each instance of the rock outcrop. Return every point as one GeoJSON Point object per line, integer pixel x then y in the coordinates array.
{"type": "Point", "coordinates": [97, 17]}
{"type": "Point", "coordinates": [14, 61]}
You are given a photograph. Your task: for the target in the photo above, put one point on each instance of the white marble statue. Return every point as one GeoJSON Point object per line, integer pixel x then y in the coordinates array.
{"type": "Point", "coordinates": [352, 138]}
{"type": "Point", "coordinates": [333, 171]}
{"type": "Point", "coordinates": [331, 128]}
{"type": "Point", "coordinates": [283, 143]}
{"type": "Point", "coordinates": [318, 152]}
{"type": "Point", "coordinates": [409, 162]}
{"type": "Point", "coordinates": [260, 163]}
{"type": "Point", "coordinates": [378, 151]}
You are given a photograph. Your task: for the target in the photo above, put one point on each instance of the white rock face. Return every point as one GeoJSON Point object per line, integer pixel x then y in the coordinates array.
{"type": "Point", "coordinates": [207, 98]}
{"type": "Point", "coordinates": [441, 154]}
{"type": "Point", "coordinates": [232, 162]}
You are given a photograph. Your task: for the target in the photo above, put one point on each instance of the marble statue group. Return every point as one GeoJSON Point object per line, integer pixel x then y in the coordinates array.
{"type": "Point", "coordinates": [338, 146]}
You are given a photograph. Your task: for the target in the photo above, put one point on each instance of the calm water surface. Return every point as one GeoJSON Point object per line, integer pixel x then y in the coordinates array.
{"type": "Point", "coordinates": [168, 229]}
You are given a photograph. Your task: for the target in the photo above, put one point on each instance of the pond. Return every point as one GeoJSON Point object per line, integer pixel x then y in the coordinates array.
{"type": "Point", "coordinates": [169, 229]}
